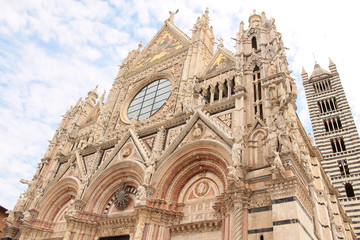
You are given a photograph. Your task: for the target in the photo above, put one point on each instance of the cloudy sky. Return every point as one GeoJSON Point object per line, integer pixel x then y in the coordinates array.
{"type": "Point", "coordinates": [53, 52]}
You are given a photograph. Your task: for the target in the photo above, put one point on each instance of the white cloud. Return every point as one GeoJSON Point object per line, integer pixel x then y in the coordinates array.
{"type": "Point", "coordinates": [53, 52]}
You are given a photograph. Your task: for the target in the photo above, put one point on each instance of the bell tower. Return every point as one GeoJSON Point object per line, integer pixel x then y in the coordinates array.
{"type": "Point", "coordinates": [336, 135]}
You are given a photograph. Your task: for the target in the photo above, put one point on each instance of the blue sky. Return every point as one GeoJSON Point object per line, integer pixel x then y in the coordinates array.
{"type": "Point", "coordinates": [54, 52]}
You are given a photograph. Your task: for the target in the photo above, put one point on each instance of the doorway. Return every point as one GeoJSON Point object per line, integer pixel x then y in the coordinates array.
{"type": "Point", "coordinates": [127, 237]}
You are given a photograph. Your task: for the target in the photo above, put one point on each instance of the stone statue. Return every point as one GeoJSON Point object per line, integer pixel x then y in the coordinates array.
{"type": "Point", "coordinates": [236, 152]}
{"type": "Point", "coordinates": [172, 15]}
{"type": "Point", "coordinates": [271, 69]}
{"type": "Point", "coordinates": [197, 131]}
{"type": "Point", "coordinates": [11, 216]}
{"type": "Point", "coordinates": [21, 202]}
{"type": "Point", "coordinates": [27, 216]}
{"type": "Point", "coordinates": [38, 194]}
{"type": "Point", "coordinates": [221, 42]}
{"type": "Point", "coordinates": [272, 91]}
{"type": "Point", "coordinates": [148, 173]}
{"type": "Point", "coordinates": [84, 183]}
{"type": "Point", "coordinates": [233, 173]}
{"type": "Point", "coordinates": [71, 211]}
{"type": "Point", "coordinates": [28, 182]}
{"type": "Point", "coordinates": [277, 166]}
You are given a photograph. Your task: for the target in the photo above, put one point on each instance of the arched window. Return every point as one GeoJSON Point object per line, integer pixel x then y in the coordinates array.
{"type": "Point", "coordinates": [258, 109]}
{"type": "Point", "coordinates": [344, 167]}
{"type": "Point", "coordinates": [254, 43]}
{"type": "Point", "coordinates": [261, 237]}
{"type": "Point", "coordinates": [349, 190]}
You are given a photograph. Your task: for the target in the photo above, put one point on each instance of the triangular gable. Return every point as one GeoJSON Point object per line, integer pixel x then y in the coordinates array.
{"type": "Point", "coordinates": [168, 41]}
{"type": "Point", "coordinates": [220, 62]}
{"type": "Point", "coordinates": [139, 146]}
{"type": "Point", "coordinates": [259, 124]}
{"type": "Point", "coordinates": [64, 167]}
{"type": "Point", "coordinates": [149, 142]}
{"type": "Point", "coordinates": [212, 124]}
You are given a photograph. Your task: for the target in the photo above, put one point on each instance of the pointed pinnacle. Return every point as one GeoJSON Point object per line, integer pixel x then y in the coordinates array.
{"type": "Point", "coordinates": [303, 70]}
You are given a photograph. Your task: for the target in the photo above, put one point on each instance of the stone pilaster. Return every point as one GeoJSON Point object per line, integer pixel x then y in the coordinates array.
{"type": "Point", "coordinates": [153, 223]}
{"type": "Point", "coordinates": [231, 208]}
{"type": "Point", "coordinates": [292, 209]}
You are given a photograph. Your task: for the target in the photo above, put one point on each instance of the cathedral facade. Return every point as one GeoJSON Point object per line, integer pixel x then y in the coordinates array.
{"type": "Point", "coordinates": [193, 142]}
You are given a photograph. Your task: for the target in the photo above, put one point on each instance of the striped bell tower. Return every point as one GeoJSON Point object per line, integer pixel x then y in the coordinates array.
{"type": "Point", "coordinates": [336, 136]}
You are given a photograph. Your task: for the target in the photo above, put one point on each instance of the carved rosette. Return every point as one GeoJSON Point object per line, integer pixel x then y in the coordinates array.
{"type": "Point", "coordinates": [121, 198]}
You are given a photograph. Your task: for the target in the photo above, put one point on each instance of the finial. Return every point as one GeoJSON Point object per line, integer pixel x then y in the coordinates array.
{"type": "Point", "coordinates": [331, 62]}
{"type": "Point", "coordinates": [241, 26]}
{"type": "Point", "coordinates": [221, 42]}
{"type": "Point", "coordinates": [207, 11]}
{"type": "Point", "coordinates": [254, 12]}
{"type": "Point", "coordinates": [316, 65]}
{"type": "Point", "coordinates": [140, 45]}
{"type": "Point", "coordinates": [95, 89]}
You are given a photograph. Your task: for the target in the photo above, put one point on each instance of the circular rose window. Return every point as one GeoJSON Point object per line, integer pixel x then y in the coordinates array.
{"type": "Point", "coordinates": [149, 99]}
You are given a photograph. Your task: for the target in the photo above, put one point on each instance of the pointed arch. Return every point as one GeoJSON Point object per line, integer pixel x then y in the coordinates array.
{"type": "Point", "coordinates": [102, 188]}
{"type": "Point", "coordinates": [254, 61]}
{"type": "Point", "coordinates": [201, 156]}
{"type": "Point", "coordinates": [57, 196]}
{"type": "Point", "coordinates": [257, 148]}
{"type": "Point", "coordinates": [254, 43]}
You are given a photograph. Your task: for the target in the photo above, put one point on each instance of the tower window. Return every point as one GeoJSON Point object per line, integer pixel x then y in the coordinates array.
{"type": "Point", "coordinates": [349, 190]}
{"type": "Point", "coordinates": [337, 144]}
{"type": "Point", "coordinates": [322, 86]}
{"type": "Point", "coordinates": [332, 124]}
{"type": "Point", "coordinates": [261, 237]}
{"type": "Point", "coordinates": [327, 105]}
{"type": "Point", "coordinates": [254, 43]}
{"type": "Point", "coordinates": [343, 166]}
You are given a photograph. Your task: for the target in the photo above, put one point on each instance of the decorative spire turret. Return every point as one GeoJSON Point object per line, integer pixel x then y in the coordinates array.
{"type": "Point", "coordinates": [92, 96]}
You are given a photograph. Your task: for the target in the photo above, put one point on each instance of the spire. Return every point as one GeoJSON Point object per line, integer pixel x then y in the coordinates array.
{"type": "Point", "coordinates": [92, 96]}
{"type": "Point", "coordinates": [78, 103]}
{"type": "Point", "coordinates": [304, 75]}
{"type": "Point", "coordinates": [94, 91]}
{"type": "Point", "coordinates": [303, 70]}
{"type": "Point", "coordinates": [241, 26]}
{"type": "Point", "coordinates": [202, 31]}
{"type": "Point", "coordinates": [332, 66]}
{"type": "Point", "coordinates": [103, 96]}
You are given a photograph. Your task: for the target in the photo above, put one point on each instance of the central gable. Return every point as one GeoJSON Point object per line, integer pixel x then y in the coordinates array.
{"type": "Point", "coordinates": [168, 41]}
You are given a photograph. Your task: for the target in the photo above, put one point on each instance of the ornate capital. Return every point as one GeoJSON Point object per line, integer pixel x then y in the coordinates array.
{"type": "Point", "coordinates": [234, 197]}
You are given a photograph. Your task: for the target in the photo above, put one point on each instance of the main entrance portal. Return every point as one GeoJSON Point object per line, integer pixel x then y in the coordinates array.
{"type": "Point", "coordinates": [127, 237]}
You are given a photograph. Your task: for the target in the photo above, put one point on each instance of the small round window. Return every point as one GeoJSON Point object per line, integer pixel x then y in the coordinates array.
{"type": "Point", "coordinates": [149, 99]}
